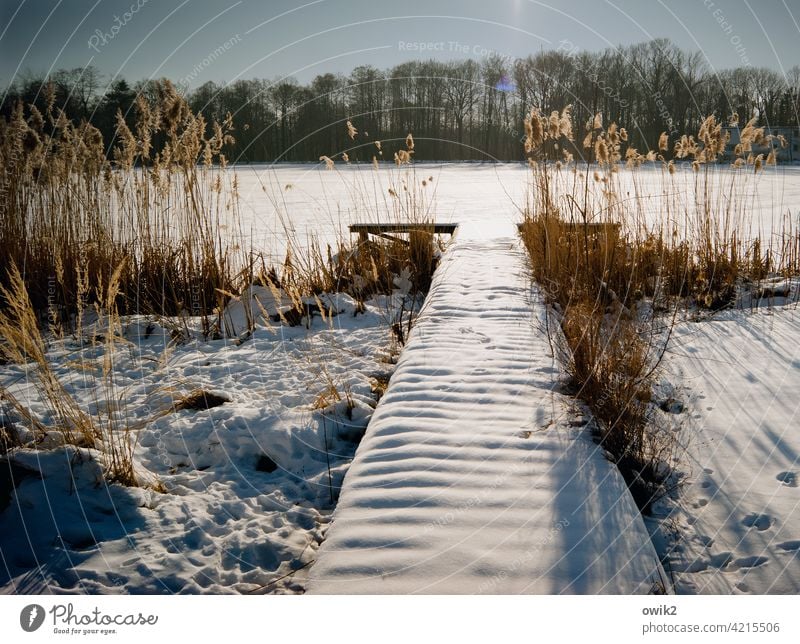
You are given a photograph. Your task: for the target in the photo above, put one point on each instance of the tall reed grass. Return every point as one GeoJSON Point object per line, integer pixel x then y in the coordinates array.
{"type": "Point", "coordinates": [109, 428]}
{"type": "Point", "coordinates": [387, 264]}
{"type": "Point", "coordinates": [71, 216]}
{"type": "Point", "coordinates": [148, 231]}
{"type": "Point", "coordinates": [615, 272]}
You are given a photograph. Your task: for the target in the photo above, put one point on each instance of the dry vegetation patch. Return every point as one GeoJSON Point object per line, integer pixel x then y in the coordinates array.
{"type": "Point", "coordinates": [146, 229]}
{"type": "Point", "coordinates": [616, 283]}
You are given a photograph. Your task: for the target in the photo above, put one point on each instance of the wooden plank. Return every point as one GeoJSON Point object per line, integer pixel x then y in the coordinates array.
{"type": "Point", "coordinates": [576, 226]}
{"type": "Point", "coordinates": [379, 228]}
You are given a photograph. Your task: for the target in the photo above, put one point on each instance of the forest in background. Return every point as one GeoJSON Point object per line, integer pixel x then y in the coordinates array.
{"type": "Point", "coordinates": [462, 110]}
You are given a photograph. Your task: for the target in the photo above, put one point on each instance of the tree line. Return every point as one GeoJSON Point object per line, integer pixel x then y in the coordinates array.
{"type": "Point", "coordinates": [466, 110]}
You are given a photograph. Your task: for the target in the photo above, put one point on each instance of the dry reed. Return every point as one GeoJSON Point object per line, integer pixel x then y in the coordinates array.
{"type": "Point", "coordinates": [597, 261]}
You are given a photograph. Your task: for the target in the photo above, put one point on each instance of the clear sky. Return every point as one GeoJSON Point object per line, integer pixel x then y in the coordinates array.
{"type": "Point", "coordinates": [201, 40]}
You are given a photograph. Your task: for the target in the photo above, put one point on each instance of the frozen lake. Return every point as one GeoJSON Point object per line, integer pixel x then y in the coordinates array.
{"type": "Point", "coordinates": [312, 201]}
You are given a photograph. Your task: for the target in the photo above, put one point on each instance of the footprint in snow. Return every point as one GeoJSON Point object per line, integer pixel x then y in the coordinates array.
{"type": "Point", "coordinates": [720, 560]}
{"type": "Point", "coordinates": [482, 338]}
{"type": "Point", "coordinates": [701, 503]}
{"type": "Point", "coordinates": [705, 540]}
{"type": "Point", "coordinates": [696, 565]}
{"type": "Point", "coordinates": [790, 546]}
{"type": "Point", "coordinates": [749, 562]}
{"type": "Point", "coordinates": [759, 521]}
{"type": "Point", "coordinates": [788, 478]}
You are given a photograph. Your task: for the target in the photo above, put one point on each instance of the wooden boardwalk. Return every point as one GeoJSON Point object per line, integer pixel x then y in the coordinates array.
{"type": "Point", "coordinates": [473, 477]}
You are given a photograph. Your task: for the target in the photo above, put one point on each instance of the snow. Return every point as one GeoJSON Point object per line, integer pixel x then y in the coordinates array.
{"type": "Point", "coordinates": [320, 203]}
{"type": "Point", "coordinates": [472, 477]}
{"type": "Point", "coordinates": [475, 474]}
{"type": "Point", "coordinates": [224, 524]}
{"type": "Point", "coordinates": [738, 519]}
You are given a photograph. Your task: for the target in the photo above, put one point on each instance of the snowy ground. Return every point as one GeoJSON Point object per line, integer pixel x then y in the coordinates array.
{"type": "Point", "coordinates": [225, 525]}
{"type": "Point", "coordinates": [737, 522]}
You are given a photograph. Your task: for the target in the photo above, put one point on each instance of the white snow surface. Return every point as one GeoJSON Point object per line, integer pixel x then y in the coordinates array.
{"type": "Point", "coordinates": [478, 480]}
{"type": "Point", "coordinates": [321, 203]}
{"type": "Point", "coordinates": [224, 524]}
{"type": "Point", "coordinates": [471, 477]}
{"type": "Point", "coordinates": [738, 519]}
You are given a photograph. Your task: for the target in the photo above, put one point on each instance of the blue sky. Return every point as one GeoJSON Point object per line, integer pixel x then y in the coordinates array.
{"type": "Point", "coordinates": [200, 40]}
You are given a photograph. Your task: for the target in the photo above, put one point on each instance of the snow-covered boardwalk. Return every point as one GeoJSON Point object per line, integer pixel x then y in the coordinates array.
{"type": "Point", "coordinates": [471, 477]}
